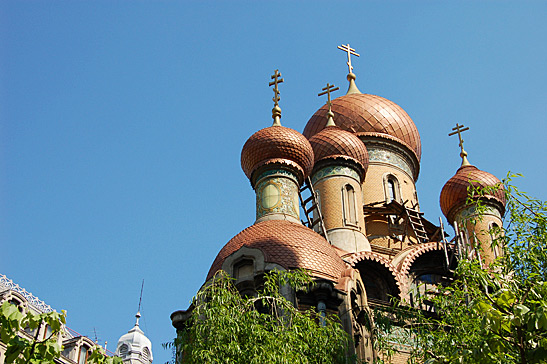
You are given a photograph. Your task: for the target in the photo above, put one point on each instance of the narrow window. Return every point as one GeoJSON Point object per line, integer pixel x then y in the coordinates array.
{"type": "Point", "coordinates": [495, 241]}
{"type": "Point", "coordinates": [146, 355]}
{"type": "Point", "coordinates": [83, 355]}
{"type": "Point", "coordinates": [390, 190]}
{"type": "Point", "coordinates": [391, 186]}
{"type": "Point", "coordinates": [322, 310]}
{"type": "Point", "coordinates": [48, 332]}
{"type": "Point", "coordinates": [349, 205]}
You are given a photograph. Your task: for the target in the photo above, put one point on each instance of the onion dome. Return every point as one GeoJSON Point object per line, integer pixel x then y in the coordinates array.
{"type": "Point", "coordinates": [455, 192]}
{"type": "Point", "coordinates": [280, 145]}
{"type": "Point", "coordinates": [369, 115]}
{"type": "Point", "coordinates": [333, 142]}
{"type": "Point", "coordinates": [288, 244]}
{"type": "Point", "coordinates": [135, 346]}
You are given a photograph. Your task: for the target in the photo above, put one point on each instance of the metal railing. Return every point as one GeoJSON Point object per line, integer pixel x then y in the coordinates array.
{"type": "Point", "coordinates": [35, 302]}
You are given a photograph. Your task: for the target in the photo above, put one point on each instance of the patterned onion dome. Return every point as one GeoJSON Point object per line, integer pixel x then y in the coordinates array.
{"type": "Point", "coordinates": [369, 115]}
{"type": "Point", "coordinates": [277, 144]}
{"type": "Point", "coordinates": [333, 142]}
{"type": "Point", "coordinates": [454, 193]}
{"type": "Point", "coordinates": [289, 244]}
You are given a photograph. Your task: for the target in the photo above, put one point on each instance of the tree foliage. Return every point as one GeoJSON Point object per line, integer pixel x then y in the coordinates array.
{"type": "Point", "coordinates": [496, 314]}
{"type": "Point", "coordinates": [22, 350]}
{"type": "Point", "coordinates": [226, 327]}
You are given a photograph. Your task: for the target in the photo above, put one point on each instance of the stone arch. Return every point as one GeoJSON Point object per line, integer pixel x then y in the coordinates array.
{"type": "Point", "coordinates": [382, 268]}
{"type": "Point", "coordinates": [424, 268]}
{"type": "Point", "coordinates": [420, 249]}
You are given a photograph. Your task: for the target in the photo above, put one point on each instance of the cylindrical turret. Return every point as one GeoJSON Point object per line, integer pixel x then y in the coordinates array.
{"type": "Point", "coordinates": [459, 199]}
{"type": "Point", "coordinates": [277, 160]}
{"type": "Point", "coordinates": [341, 162]}
{"type": "Point", "coordinates": [474, 201]}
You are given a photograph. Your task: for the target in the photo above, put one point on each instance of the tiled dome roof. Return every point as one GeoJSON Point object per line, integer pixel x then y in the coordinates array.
{"type": "Point", "coordinates": [277, 144]}
{"type": "Point", "coordinates": [333, 142]}
{"type": "Point", "coordinates": [289, 244]}
{"type": "Point", "coordinates": [365, 114]}
{"type": "Point", "coordinates": [454, 193]}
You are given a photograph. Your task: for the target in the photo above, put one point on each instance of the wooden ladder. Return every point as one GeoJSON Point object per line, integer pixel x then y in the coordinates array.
{"type": "Point", "coordinates": [317, 218]}
{"type": "Point", "coordinates": [415, 220]}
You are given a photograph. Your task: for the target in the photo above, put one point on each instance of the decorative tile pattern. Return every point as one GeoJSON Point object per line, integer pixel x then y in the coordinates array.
{"type": "Point", "coordinates": [454, 193]}
{"type": "Point", "coordinates": [277, 195]}
{"type": "Point", "coordinates": [333, 142]}
{"type": "Point", "coordinates": [363, 113]}
{"type": "Point", "coordinates": [335, 171]}
{"type": "Point", "coordinates": [275, 172]}
{"type": "Point", "coordinates": [288, 244]}
{"type": "Point", "coordinates": [470, 211]}
{"type": "Point", "coordinates": [386, 156]}
{"type": "Point", "coordinates": [276, 142]}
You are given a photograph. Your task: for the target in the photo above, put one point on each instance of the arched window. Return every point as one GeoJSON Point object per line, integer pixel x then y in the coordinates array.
{"type": "Point", "coordinates": [349, 205]}
{"type": "Point", "coordinates": [390, 190]}
{"type": "Point", "coordinates": [391, 187]}
{"type": "Point", "coordinates": [495, 234]}
{"type": "Point", "coordinates": [146, 355]}
{"type": "Point", "coordinates": [123, 350]}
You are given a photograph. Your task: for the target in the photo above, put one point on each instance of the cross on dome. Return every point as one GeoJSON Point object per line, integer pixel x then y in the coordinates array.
{"type": "Point", "coordinates": [352, 89]}
{"type": "Point", "coordinates": [350, 51]}
{"type": "Point", "coordinates": [326, 91]}
{"type": "Point", "coordinates": [459, 129]}
{"type": "Point", "coordinates": [276, 111]}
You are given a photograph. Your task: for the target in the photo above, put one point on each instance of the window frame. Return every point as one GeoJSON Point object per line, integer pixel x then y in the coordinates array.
{"type": "Point", "coordinates": [349, 206]}
{"type": "Point", "coordinates": [392, 187]}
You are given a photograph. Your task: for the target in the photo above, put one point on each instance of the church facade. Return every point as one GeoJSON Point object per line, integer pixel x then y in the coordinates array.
{"type": "Point", "coordinates": [339, 200]}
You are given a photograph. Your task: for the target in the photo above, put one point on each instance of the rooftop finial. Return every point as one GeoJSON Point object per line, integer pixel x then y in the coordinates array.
{"type": "Point", "coordinates": [352, 89]}
{"type": "Point", "coordinates": [327, 90]}
{"type": "Point", "coordinates": [276, 111]}
{"type": "Point", "coordinates": [458, 129]}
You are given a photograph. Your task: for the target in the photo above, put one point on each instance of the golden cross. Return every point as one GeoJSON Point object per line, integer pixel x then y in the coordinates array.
{"type": "Point", "coordinates": [326, 91]}
{"type": "Point", "coordinates": [276, 80]}
{"type": "Point", "coordinates": [458, 130]}
{"type": "Point", "coordinates": [350, 51]}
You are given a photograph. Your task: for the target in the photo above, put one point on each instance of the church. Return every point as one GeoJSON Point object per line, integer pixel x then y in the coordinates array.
{"type": "Point", "coordinates": [339, 200]}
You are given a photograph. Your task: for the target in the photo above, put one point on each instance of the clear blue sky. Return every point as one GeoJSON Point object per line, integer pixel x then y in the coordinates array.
{"type": "Point", "coordinates": [122, 124]}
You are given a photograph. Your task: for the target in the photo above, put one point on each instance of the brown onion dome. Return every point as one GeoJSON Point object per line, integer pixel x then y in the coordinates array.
{"type": "Point", "coordinates": [288, 244]}
{"type": "Point", "coordinates": [333, 142]}
{"type": "Point", "coordinates": [455, 191]}
{"type": "Point", "coordinates": [277, 144]}
{"type": "Point", "coordinates": [369, 115]}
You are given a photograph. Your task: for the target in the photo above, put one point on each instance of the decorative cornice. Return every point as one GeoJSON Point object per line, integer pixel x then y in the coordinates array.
{"type": "Point", "coordinates": [405, 154]}
{"type": "Point", "coordinates": [35, 302]}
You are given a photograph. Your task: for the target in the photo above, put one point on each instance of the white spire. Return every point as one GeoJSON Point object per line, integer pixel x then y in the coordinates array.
{"type": "Point", "coordinates": [134, 347]}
